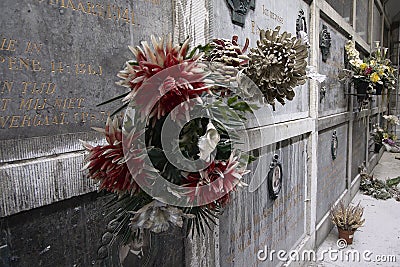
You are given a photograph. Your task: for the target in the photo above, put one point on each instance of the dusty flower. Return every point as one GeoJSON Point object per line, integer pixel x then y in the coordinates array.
{"type": "Point", "coordinates": [157, 217]}
{"type": "Point", "coordinates": [184, 78]}
{"type": "Point", "coordinates": [108, 164]}
{"type": "Point", "coordinates": [215, 182]}
{"type": "Point", "coordinates": [208, 142]}
{"type": "Point", "coordinates": [374, 77]}
{"type": "Point", "coordinates": [277, 65]}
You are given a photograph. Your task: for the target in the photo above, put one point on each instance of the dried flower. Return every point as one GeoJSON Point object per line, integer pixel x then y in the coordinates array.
{"type": "Point", "coordinates": [347, 218]}
{"type": "Point", "coordinates": [277, 65]}
{"type": "Point", "coordinates": [228, 52]}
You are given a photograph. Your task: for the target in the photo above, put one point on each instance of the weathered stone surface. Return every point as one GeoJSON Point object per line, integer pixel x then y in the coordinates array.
{"type": "Point", "coordinates": [252, 221]}
{"type": "Point", "coordinates": [65, 234]}
{"type": "Point", "coordinates": [332, 173]}
{"type": "Point", "coordinates": [334, 100]}
{"type": "Point", "coordinates": [359, 145]}
{"type": "Point", "coordinates": [37, 183]}
{"type": "Point", "coordinates": [267, 15]}
{"type": "Point", "coordinates": [44, 146]}
{"type": "Point", "coordinates": [344, 8]}
{"type": "Point", "coordinates": [58, 59]}
{"type": "Point", "coordinates": [362, 19]}
{"type": "Point", "coordinates": [165, 249]}
{"type": "Point", "coordinates": [377, 26]}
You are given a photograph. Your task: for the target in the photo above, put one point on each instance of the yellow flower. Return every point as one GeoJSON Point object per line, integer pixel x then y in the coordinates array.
{"type": "Point", "coordinates": [385, 136]}
{"type": "Point", "coordinates": [374, 77]}
{"type": "Point", "coordinates": [372, 63]}
{"type": "Point", "coordinates": [363, 66]}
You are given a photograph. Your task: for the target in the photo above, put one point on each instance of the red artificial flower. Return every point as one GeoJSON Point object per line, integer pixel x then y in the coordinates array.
{"type": "Point", "coordinates": [109, 165]}
{"type": "Point", "coordinates": [213, 185]}
{"type": "Point", "coordinates": [162, 79]}
{"type": "Point", "coordinates": [368, 71]}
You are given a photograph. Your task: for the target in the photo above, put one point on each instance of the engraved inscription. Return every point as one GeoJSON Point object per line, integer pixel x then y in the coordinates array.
{"type": "Point", "coordinates": [22, 102]}
{"type": "Point", "coordinates": [105, 11]}
{"type": "Point", "coordinates": [268, 15]}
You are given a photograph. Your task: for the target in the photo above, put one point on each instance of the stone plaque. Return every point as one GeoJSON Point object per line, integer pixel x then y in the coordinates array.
{"type": "Point", "coordinates": [59, 59]}
{"type": "Point", "coordinates": [335, 100]}
{"type": "Point", "coordinates": [253, 222]}
{"type": "Point", "coordinates": [267, 15]}
{"type": "Point", "coordinates": [331, 172]}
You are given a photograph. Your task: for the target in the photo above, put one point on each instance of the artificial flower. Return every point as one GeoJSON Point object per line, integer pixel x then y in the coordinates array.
{"type": "Point", "coordinates": [108, 164]}
{"type": "Point", "coordinates": [208, 142]}
{"type": "Point", "coordinates": [213, 184]}
{"type": "Point", "coordinates": [157, 217]}
{"type": "Point", "coordinates": [363, 66]}
{"type": "Point", "coordinates": [374, 77]}
{"type": "Point", "coordinates": [183, 80]}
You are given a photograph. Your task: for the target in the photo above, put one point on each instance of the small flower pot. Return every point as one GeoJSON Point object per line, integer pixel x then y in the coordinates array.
{"type": "Point", "coordinates": [361, 86]}
{"type": "Point", "coordinates": [377, 147]}
{"type": "Point", "coordinates": [346, 235]}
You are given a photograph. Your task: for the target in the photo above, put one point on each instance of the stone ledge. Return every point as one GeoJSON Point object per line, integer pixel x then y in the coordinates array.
{"type": "Point", "coordinates": [30, 148]}
{"type": "Point", "coordinates": [33, 184]}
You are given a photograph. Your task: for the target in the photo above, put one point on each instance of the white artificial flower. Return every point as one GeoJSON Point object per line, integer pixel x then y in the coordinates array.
{"type": "Point", "coordinates": [157, 217]}
{"type": "Point", "coordinates": [391, 119]}
{"type": "Point", "coordinates": [208, 142]}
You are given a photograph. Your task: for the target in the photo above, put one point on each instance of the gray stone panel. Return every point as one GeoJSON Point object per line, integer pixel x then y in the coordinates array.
{"type": "Point", "coordinates": [359, 139]}
{"type": "Point", "coordinates": [31, 148]}
{"type": "Point", "coordinates": [371, 144]}
{"type": "Point", "coordinates": [66, 234]}
{"type": "Point", "coordinates": [344, 8]}
{"type": "Point", "coordinates": [377, 26]}
{"type": "Point", "coordinates": [331, 173]}
{"type": "Point", "coordinates": [267, 15]}
{"type": "Point", "coordinates": [33, 184]}
{"type": "Point", "coordinates": [58, 59]}
{"type": "Point", "coordinates": [335, 100]}
{"type": "Point", "coordinates": [362, 24]}
{"type": "Point", "coordinates": [253, 221]}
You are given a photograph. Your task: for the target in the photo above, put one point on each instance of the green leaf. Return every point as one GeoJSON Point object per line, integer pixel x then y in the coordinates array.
{"type": "Point", "coordinates": [393, 182]}
{"type": "Point", "coordinates": [232, 100]}
{"type": "Point", "coordinates": [113, 99]}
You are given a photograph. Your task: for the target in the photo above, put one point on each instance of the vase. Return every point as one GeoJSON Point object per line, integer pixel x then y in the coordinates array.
{"type": "Point", "coordinates": [377, 147]}
{"type": "Point", "coordinates": [361, 86]}
{"type": "Point", "coordinates": [378, 89]}
{"type": "Point", "coordinates": [346, 235]}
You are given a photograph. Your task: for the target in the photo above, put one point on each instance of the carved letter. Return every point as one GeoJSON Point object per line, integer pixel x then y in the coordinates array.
{"type": "Point", "coordinates": [7, 85]}
{"type": "Point", "coordinates": [3, 121]}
